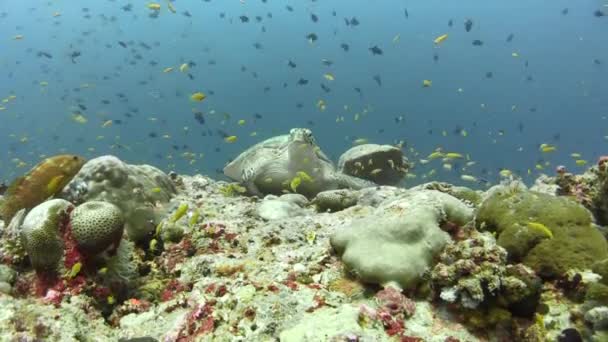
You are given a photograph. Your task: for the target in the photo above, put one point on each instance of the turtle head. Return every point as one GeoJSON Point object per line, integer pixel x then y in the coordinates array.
{"type": "Point", "coordinates": [303, 135]}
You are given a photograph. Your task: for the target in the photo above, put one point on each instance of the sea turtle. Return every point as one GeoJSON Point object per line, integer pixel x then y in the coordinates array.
{"type": "Point", "coordinates": [289, 163]}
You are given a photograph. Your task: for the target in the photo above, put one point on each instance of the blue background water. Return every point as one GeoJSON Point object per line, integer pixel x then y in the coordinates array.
{"type": "Point", "coordinates": [568, 89]}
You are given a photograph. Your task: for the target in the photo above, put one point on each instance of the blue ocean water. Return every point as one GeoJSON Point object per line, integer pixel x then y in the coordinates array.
{"type": "Point", "coordinates": [64, 63]}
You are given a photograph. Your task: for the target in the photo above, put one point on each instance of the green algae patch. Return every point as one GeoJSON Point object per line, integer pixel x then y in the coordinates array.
{"type": "Point", "coordinates": [547, 233]}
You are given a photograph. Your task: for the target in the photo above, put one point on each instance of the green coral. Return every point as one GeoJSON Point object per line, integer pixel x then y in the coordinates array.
{"type": "Point", "coordinates": [576, 243]}
{"type": "Point", "coordinates": [96, 225]}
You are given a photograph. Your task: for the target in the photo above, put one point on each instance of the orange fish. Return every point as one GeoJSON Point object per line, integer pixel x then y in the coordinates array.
{"type": "Point", "coordinates": [43, 181]}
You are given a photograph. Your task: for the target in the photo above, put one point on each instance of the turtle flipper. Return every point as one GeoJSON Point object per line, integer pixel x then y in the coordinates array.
{"type": "Point", "coordinates": [346, 181]}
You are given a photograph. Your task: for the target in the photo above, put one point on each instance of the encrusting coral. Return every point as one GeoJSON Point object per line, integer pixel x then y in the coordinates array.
{"type": "Point", "coordinates": [548, 233]}
{"type": "Point", "coordinates": [398, 242]}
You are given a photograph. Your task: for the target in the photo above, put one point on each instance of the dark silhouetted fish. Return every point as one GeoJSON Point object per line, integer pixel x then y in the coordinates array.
{"type": "Point", "coordinates": [477, 42]}
{"type": "Point", "coordinates": [451, 23]}
{"type": "Point", "coordinates": [565, 11]}
{"type": "Point", "coordinates": [44, 54]}
{"type": "Point", "coordinates": [375, 50]}
{"type": "Point", "coordinates": [291, 64]}
{"type": "Point", "coordinates": [314, 18]}
{"type": "Point", "coordinates": [127, 7]}
{"type": "Point", "coordinates": [311, 37]}
{"type": "Point", "coordinates": [244, 19]}
{"type": "Point", "coordinates": [378, 80]}
{"type": "Point", "coordinates": [345, 47]}
{"type": "Point", "coordinates": [510, 37]}
{"type": "Point", "coordinates": [406, 13]}
{"type": "Point", "coordinates": [186, 14]}
{"type": "Point", "coordinates": [302, 81]}
{"type": "Point", "coordinates": [468, 25]}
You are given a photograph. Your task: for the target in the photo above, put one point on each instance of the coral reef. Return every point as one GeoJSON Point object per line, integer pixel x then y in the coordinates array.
{"type": "Point", "coordinates": [138, 190]}
{"type": "Point", "coordinates": [474, 273]}
{"type": "Point", "coordinates": [398, 242]}
{"type": "Point", "coordinates": [547, 233]}
{"type": "Point", "coordinates": [43, 181]}
{"type": "Point", "coordinates": [381, 164]}
{"type": "Point", "coordinates": [214, 264]}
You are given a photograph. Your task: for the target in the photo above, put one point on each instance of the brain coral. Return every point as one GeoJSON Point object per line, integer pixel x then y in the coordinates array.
{"type": "Point", "coordinates": [96, 225]}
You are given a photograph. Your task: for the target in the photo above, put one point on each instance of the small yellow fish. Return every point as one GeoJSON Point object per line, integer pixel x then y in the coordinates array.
{"type": "Point", "coordinates": [440, 39]}
{"type": "Point", "coordinates": [453, 155]}
{"type": "Point", "coordinates": [304, 176]}
{"type": "Point", "coordinates": [396, 38]}
{"type": "Point", "coordinates": [241, 122]}
{"type": "Point", "coordinates": [44, 83]}
{"type": "Point", "coordinates": [580, 162]}
{"type": "Point", "coordinates": [198, 96]}
{"type": "Point", "coordinates": [468, 178]}
{"type": "Point", "coordinates": [329, 77]}
{"type": "Point", "coordinates": [295, 182]}
{"type": "Point", "coordinates": [546, 148]}
{"type": "Point", "coordinates": [311, 236]}
{"type": "Point", "coordinates": [321, 105]}
{"type": "Point", "coordinates": [154, 6]}
{"type": "Point", "coordinates": [180, 212]}
{"type": "Point", "coordinates": [575, 155]}
{"type": "Point", "coordinates": [435, 155]}
{"type": "Point", "coordinates": [360, 141]}
{"type": "Point", "coordinates": [107, 124]}
{"type": "Point", "coordinates": [231, 139]}
{"type": "Point", "coordinates": [156, 190]}
{"type": "Point", "coordinates": [153, 245]}
{"type": "Point", "coordinates": [111, 300]}
{"type": "Point", "coordinates": [170, 7]}
{"type": "Point", "coordinates": [79, 118]}
{"type": "Point", "coordinates": [184, 67]}
{"type": "Point", "coordinates": [75, 270]}
{"type": "Point", "coordinates": [56, 14]}
{"type": "Point", "coordinates": [167, 70]}
{"type": "Point", "coordinates": [515, 54]}
{"type": "Point", "coordinates": [505, 173]}
{"type": "Point", "coordinates": [427, 83]}
{"type": "Point", "coordinates": [194, 218]}
{"type": "Point", "coordinates": [18, 37]}
{"type": "Point", "coordinates": [540, 228]}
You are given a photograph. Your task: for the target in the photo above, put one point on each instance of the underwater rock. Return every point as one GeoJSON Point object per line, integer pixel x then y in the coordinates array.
{"type": "Point", "coordinates": [381, 164]}
{"type": "Point", "coordinates": [276, 208]}
{"type": "Point", "coordinates": [41, 234]}
{"type": "Point", "coordinates": [138, 190]}
{"type": "Point", "coordinates": [598, 317]}
{"type": "Point", "coordinates": [327, 323]}
{"type": "Point", "coordinates": [475, 271]}
{"type": "Point", "coordinates": [335, 200]}
{"type": "Point", "coordinates": [292, 162]}
{"type": "Point", "coordinates": [463, 193]}
{"type": "Point", "coordinates": [398, 242]}
{"type": "Point", "coordinates": [43, 181]}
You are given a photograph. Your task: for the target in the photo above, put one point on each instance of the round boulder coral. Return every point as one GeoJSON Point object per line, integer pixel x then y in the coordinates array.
{"type": "Point", "coordinates": [96, 225]}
